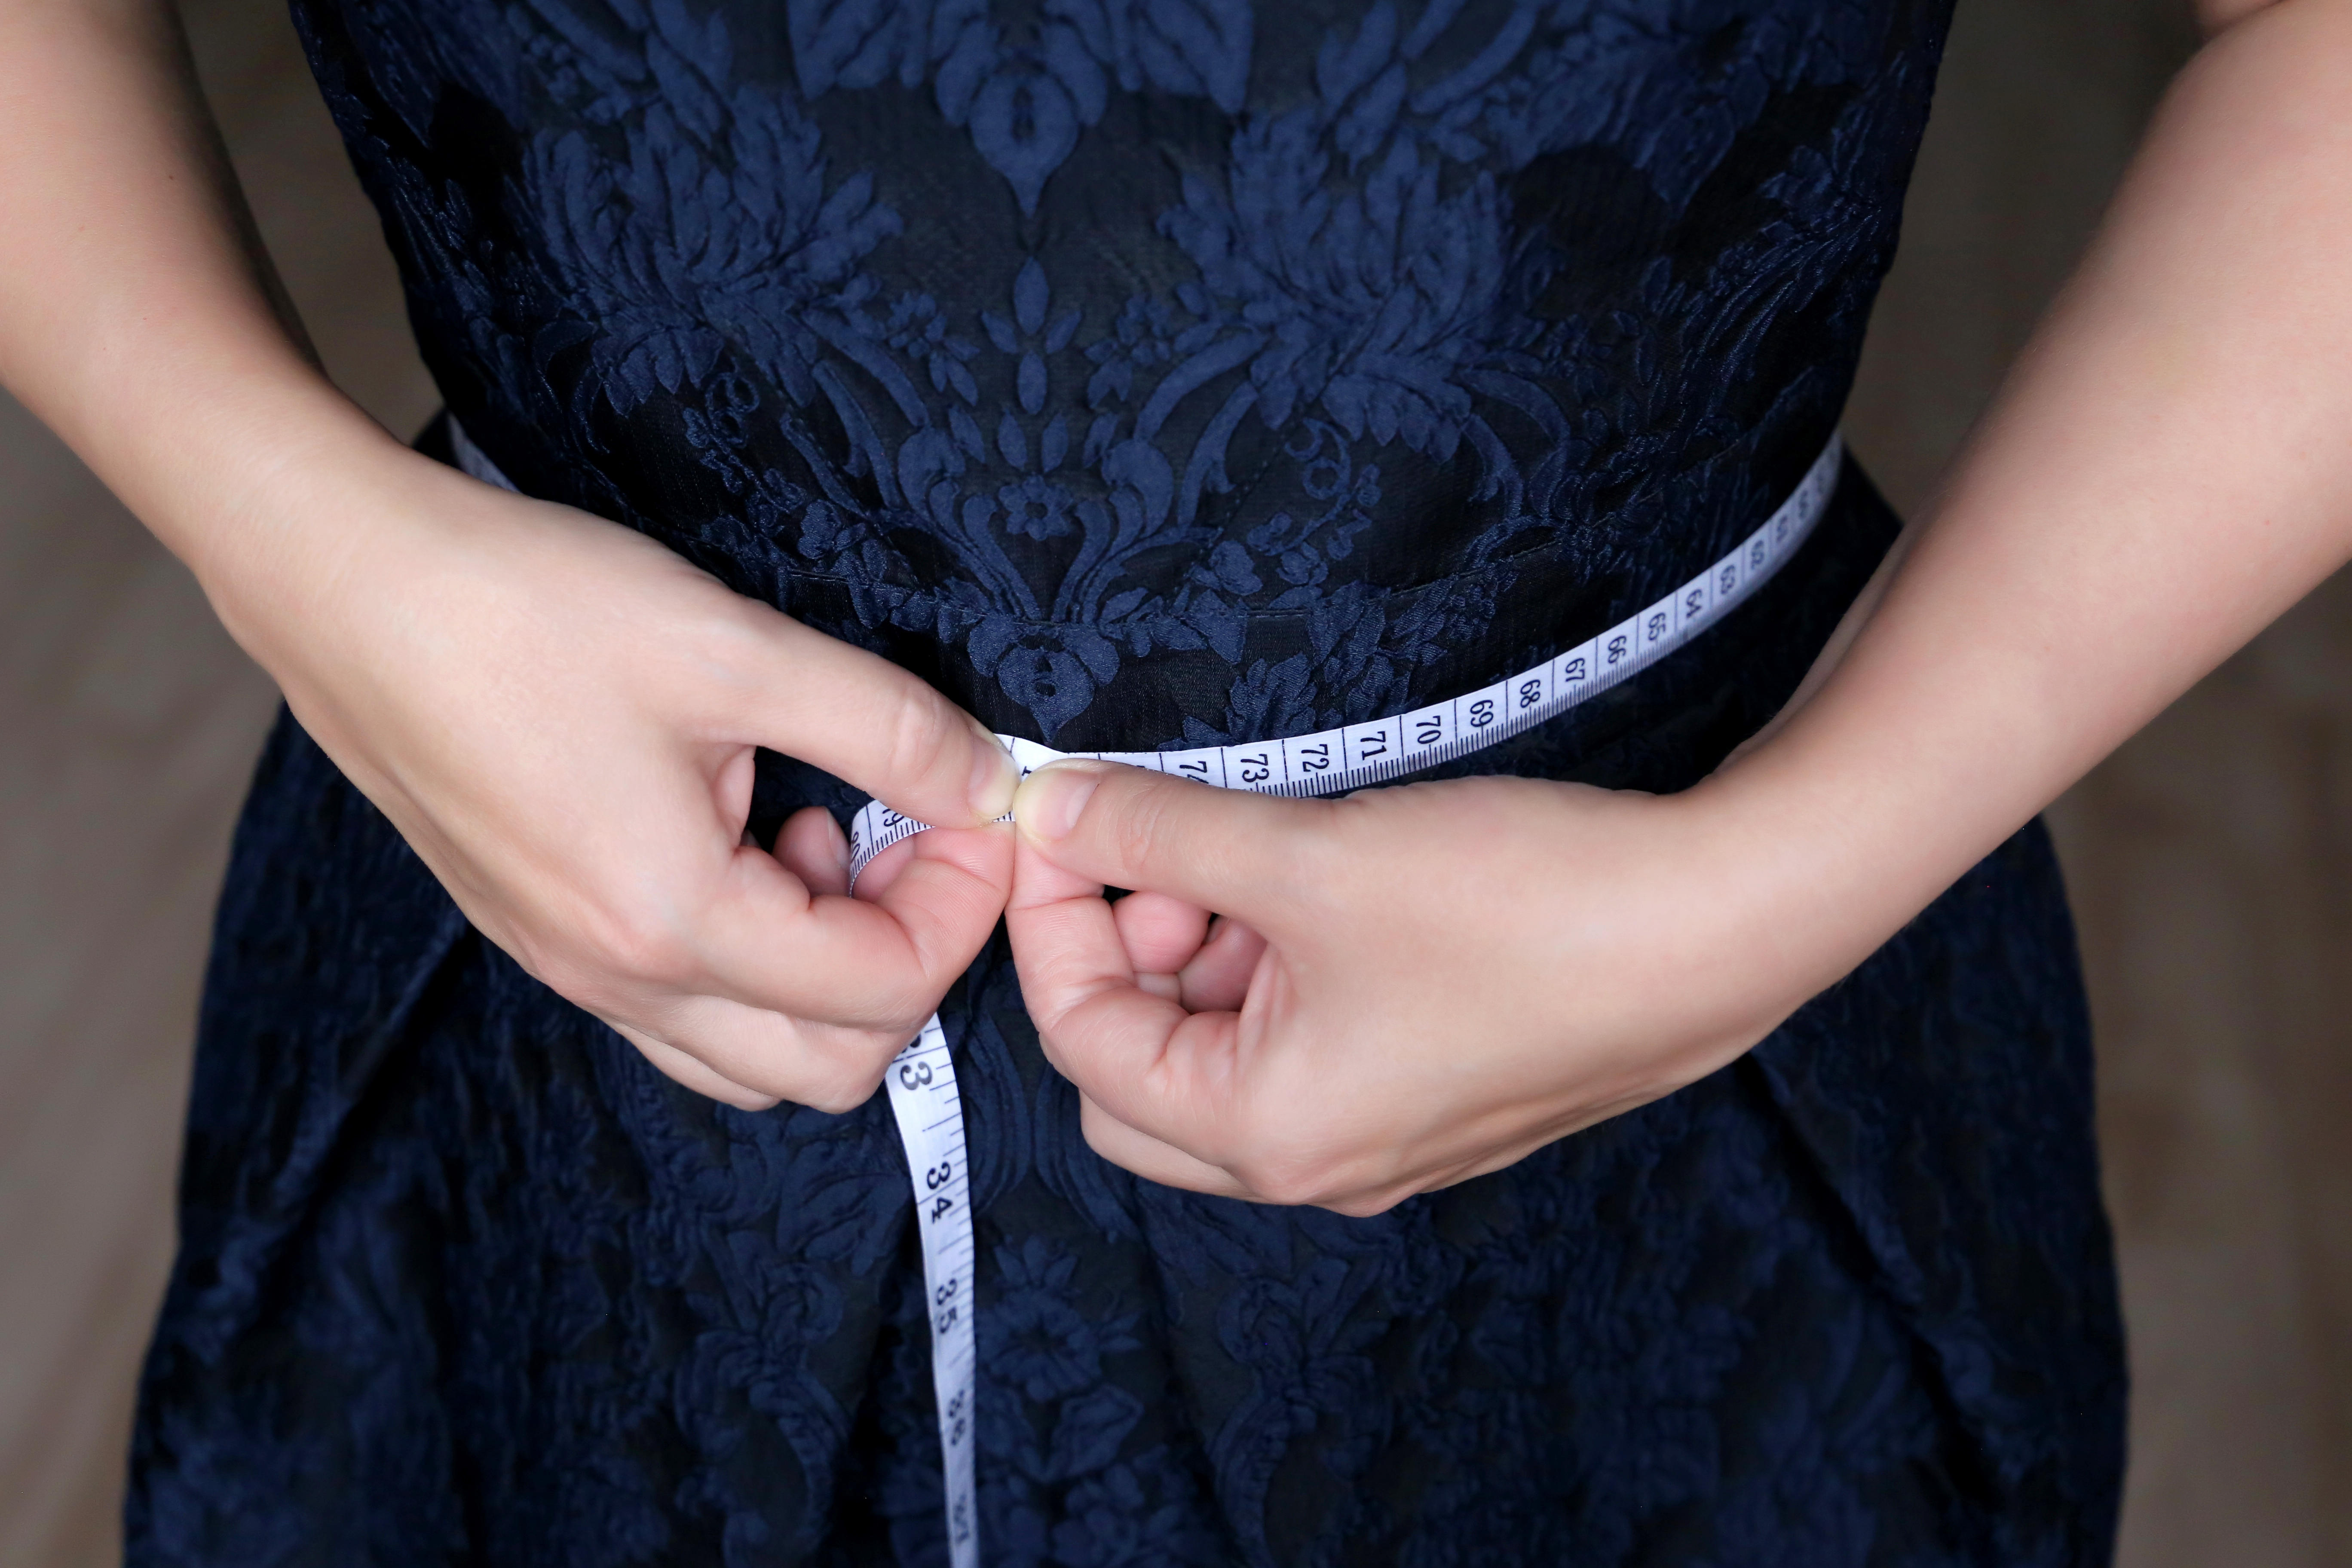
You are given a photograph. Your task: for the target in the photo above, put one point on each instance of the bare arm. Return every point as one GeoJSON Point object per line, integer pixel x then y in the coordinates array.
{"type": "Point", "coordinates": [559, 715]}
{"type": "Point", "coordinates": [137, 315]}
{"type": "Point", "coordinates": [2169, 467]}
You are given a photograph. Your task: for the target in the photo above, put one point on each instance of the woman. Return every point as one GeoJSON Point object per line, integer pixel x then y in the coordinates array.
{"type": "Point", "coordinates": [1671, 1144]}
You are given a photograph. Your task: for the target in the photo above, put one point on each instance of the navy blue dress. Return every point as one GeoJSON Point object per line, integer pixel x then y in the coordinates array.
{"type": "Point", "coordinates": [1142, 373]}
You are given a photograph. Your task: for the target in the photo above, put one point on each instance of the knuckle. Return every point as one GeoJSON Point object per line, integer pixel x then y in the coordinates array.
{"type": "Point", "coordinates": [838, 1070]}
{"type": "Point", "coordinates": [1365, 1205]}
{"type": "Point", "coordinates": [635, 942]}
{"type": "Point", "coordinates": [1312, 1164]}
{"type": "Point", "coordinates": [583, 974]}
{"type": "Point", "coordinates": [648, 951]}
{"type": "Point", "coordinates": [1289, 1190]}
{"type": "Point", "coordinates": [893, 1004]}
{"type": "Point", "coordinates": [1136, 819]}
{"type": "Point", "coordinates": [743, 1098]}
{"type": "Point", "coordinates": [1151, 823]}
{"type": "Point", "coordinates": [719, 662]}
{"type": "Point", "coordinates": [731, 644]}
{"type": "Point", "coordinates": [553, 966]}
{"type": "Point", "coordinates": [584, 987]}
{"type": "Point", "coordinates": [834, 1099]}
{"type": "Point", "coordinates": [1125, 815]}
{"type": "Point", "coordinates": [1289, 1180]}
{"type": "Point", "coordinates": [1098, 1135]}
{"type": "Point", "coordinates": [1314, 852]}
{"type": "Point", "coordinates": [1304, 854]}
{"type": "Point", "coordinates": [918, 732]}
{"type": "Point", "coordinates": [844, 1086]}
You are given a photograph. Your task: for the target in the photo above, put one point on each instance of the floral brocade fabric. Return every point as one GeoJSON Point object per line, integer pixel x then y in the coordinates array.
{"type": "Point", "coordinates": [1142, 373]}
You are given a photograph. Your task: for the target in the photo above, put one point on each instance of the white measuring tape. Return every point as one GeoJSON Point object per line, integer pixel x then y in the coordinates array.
{"type": "Point", "coordinates": [921, 1078]}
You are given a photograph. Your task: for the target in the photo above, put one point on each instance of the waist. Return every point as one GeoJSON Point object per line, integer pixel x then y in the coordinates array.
{"type": "Point", "coordinates": [1494, 650]}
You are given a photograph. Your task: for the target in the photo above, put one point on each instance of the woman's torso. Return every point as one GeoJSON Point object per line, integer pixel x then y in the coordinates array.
{"type": "Point", "coordinates": [1149, 370]}
{"type": "Point", "coordinates": [1142, 371]}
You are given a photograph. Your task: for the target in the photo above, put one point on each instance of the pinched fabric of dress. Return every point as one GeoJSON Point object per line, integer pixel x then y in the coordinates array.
{"type": "Point", "coordinates": [1142, 373]}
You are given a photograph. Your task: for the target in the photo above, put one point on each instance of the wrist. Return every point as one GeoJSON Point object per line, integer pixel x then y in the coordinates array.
{"type": "Point", "coordinates": [1855, 822]}
{"type": "Point", "coordinates": [1768, 922]}
{"type": "Point", "coordinates": [273, 499]}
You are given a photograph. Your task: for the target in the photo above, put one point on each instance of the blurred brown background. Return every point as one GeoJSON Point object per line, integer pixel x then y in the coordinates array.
{"type": "Point", "coordinates": [2211, 859]}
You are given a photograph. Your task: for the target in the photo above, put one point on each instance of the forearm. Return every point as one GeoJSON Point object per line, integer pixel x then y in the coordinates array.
{"type": "Point", "coordinates": [2169, 467]}
{"type": "Point", "coordinates": [138, 316]}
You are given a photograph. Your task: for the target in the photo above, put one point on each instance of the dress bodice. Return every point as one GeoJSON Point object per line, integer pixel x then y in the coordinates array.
{"type": "Point", "coordinates": [1142, 373]}
{"type": "Point", "coordinates": [1149, 372]}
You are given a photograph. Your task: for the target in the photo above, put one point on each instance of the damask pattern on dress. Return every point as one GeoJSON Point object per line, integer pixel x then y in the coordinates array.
{"type": "Point", "coordinates": [1094, 352]}
{"type": "Point", "coordinates": [1142, 373]}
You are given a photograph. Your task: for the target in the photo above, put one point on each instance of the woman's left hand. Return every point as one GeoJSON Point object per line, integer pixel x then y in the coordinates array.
{"type": "Point", "coordinates": [1403, 988]}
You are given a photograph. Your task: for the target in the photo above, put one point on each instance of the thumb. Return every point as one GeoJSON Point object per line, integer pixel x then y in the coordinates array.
{"type": "Point", "coordinates": [1231, 851]}
{"type": "Point", "coordinates": [863, 719]}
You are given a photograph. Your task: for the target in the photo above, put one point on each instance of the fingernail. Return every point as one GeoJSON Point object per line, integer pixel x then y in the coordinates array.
{"type": "Point", "coordinates": [993, 776]}
{"type": "Point", "coordinates": [1052, 798]}
{"type": "Point", "coordinates": [840, 844]}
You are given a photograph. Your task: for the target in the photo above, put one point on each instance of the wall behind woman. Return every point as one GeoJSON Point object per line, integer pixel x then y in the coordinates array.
{"type": "Point", "coordinates": [2211, 860]}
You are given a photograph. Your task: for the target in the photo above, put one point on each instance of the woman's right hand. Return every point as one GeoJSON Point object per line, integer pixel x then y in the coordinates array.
{"type": "Point", "coordinates": [557, 714]}
{"type": "Point", "coordinates": [560, 716]}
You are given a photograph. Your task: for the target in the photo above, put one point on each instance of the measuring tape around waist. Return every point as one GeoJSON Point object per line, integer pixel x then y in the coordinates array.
{"type": "Point", "coordinates": [921, 1078]}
